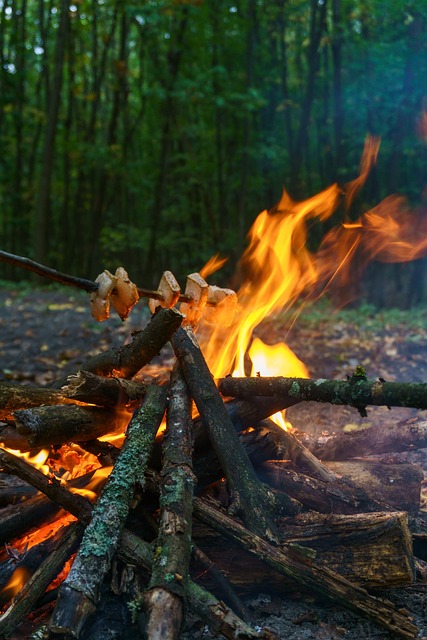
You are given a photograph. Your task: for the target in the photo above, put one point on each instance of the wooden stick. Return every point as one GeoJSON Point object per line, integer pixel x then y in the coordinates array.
{"type": "Point", "coordinates": [74, 281]}
{"type": "Point", "coordinates": [300, 455]}
{"type": "Point", "coordinates": [255, 502]}
{"type": "Point", "coordinates": [357, 392]}
{"type": "Point", "coordinates": [129, 359]}
{"type": "Point", "coordinates": [166, 591]}
{"type": "Point", "coordinates": [23, 603]}
{"type": "Point", "coordinates": [216, 614]}
{"type": "Point", "coordinates": [56, 424]}
{"type": "Point", "coordinates": [136, 551]}
{"type": "Point", "coordinates": [221, 583]}
{"type": "Point", "coordinates": [18, 396]}
{"type": "Point", "coordinates": [106, 392]}
{"type": "Point", "coordinates": [298, 564]}
{"type": "Point", "coordinates": [102, 535]}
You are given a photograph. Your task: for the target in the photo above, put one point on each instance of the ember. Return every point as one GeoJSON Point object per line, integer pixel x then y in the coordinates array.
{"type": "Point", "coordinates": [262, 493]}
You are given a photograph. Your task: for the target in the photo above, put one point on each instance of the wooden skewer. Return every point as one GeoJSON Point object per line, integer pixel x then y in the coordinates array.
{"type": "Point", "coordinates": [73, 281]}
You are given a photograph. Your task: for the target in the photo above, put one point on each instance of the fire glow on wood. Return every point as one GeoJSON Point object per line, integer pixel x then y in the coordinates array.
{"type": "Point", "coordinates": [282, 501]}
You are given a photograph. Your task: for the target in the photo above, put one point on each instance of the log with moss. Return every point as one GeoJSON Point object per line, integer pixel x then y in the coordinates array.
{"type": "Point", "coordinates": [18, 396]}
{"type": "Point", "coordinates": [61, 423]}
{"type": "Point", "coordinates": [358, 391]}
{"type": "Point", "coordinates": [129, 359]}
{"type": "Point", "coordinates": [255, 502]}
{"type": "Point", "coordinates": [102, 535]}
{"type": "Point", "coordinates": [164, 598]}
{"type": "Point", "coordinates": [106, 392]}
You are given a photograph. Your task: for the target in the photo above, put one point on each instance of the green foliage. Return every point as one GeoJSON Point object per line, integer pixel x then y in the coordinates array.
{"type": "Point", "coordinates": [179, 121]}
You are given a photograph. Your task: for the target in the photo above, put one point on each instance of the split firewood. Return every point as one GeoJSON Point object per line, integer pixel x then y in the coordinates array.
{"type": "Point", "coordinates": [166, 591]}
{"type": "Point", "coordinates": [106, 392]}
{"type": "Point", "coordinates": [403, 436]}
{"type": "Point", "coordinates": [57, 424]}
{"type": "Point", "coordinates": [28, 596]}
{"type": "Point", "coordinates": [358, 391]}
{"type": "Point", "coordinates": [18, 396]}
{"type": "Point", "coordinates": [372, 550]}
{"type": "Point", "coordinates": [255, 502]}
{"type": "Point", "coordinates": [102, 535]}
{"type": "Point", "coordinates": [394, 483]}
{"type": "Point", "coordinates": [138, 552]}
{"type": "Point", "coordinates": [299, 564]}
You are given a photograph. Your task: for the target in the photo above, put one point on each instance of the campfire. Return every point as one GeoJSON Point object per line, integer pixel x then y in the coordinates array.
{"type": "Point", "coordinates": [162, 490]}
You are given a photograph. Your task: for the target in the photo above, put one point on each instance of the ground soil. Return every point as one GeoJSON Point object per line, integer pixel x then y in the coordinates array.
{"type": "Point", "coordinates": [47, 333]}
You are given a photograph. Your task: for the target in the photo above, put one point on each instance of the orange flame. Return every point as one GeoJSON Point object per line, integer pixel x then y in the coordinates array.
{"type": "Point", "coordinates": [36, 460]}
{"type": "Point", "coordinates": [278, 267]}
{"type": "Point", "coordinates": [17, 580]}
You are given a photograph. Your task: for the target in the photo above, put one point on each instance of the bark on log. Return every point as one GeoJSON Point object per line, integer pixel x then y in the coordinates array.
{"type": "Point", "coordinates": [256, 503]}
{"type": "Point", "coordinates": [358, 391]}
{"type": "Point", "coordinates": [166, 591]}
{"type": "Point", "coordinates": [146, 344]}
{"type": "Point", "coordinates": [214, 612]}
{"type": "Point", "coordinates": [372, 550]}
{"type": "Point", "coordinates": [18, 396]}
{"type": "Point", "coordinates": [136, 551]}
{"type": "Point", "coordinates": [106, 392]}
{"type": "Point", "coordinates": [403, 436]}
{"type": "Point", "coordinates": [23, 603]}
{"type": "Point", "coordinates": [57, 424]}
{"type": "Point", "coordinates": [298, 564]}
{"type": "Point", "coordinates": [102, 535]}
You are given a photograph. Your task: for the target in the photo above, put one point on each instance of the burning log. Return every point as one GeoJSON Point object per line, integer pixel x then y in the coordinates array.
{"type": "Point", "coordinates": [136, 551]}
{"type": "Point", "coordinates": [298, 564]}
{"type": "Point", "coordinates": [301, 457]}
{"type": "Point", "coordinates": [106, 392]}
{"type": "Point", "coordinates": [372, 550]}
{"type": "Point", "coordinates": [25, 600]}
{"type": "Point", "coordinates": [80, 592]}
{"type": "Point", "coordinates": [18, 396]}
{"type": "Point", "coordinates": [165, 596]}
{"type": "Point", "coordinates": [357, 392]}
{"type": "Point", "coordinates": [57, 424]}
{"type": "Point", "coordinates": [255, 502]}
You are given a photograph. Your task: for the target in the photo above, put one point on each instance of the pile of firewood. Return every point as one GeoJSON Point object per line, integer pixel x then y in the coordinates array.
{"type": "Point", "coordinates": [211, 492]}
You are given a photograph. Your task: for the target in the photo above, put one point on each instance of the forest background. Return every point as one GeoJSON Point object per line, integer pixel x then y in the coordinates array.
{"type": "Point", "coordinates": [151, 134]}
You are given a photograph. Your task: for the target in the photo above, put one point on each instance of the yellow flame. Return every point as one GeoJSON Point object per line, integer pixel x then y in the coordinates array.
{"type": "Point", "coordinates": [277, 266]}
{"type": "Point", "coordinates": [275, 360]}
{"type": "Point", "coordinates": [17, 580]}
{"type": "Point", "coordinates": [36, 460]}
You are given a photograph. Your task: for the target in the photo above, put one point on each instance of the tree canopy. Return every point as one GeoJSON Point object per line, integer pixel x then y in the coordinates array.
{"type": "Point", "coordinates": [151, 133]}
